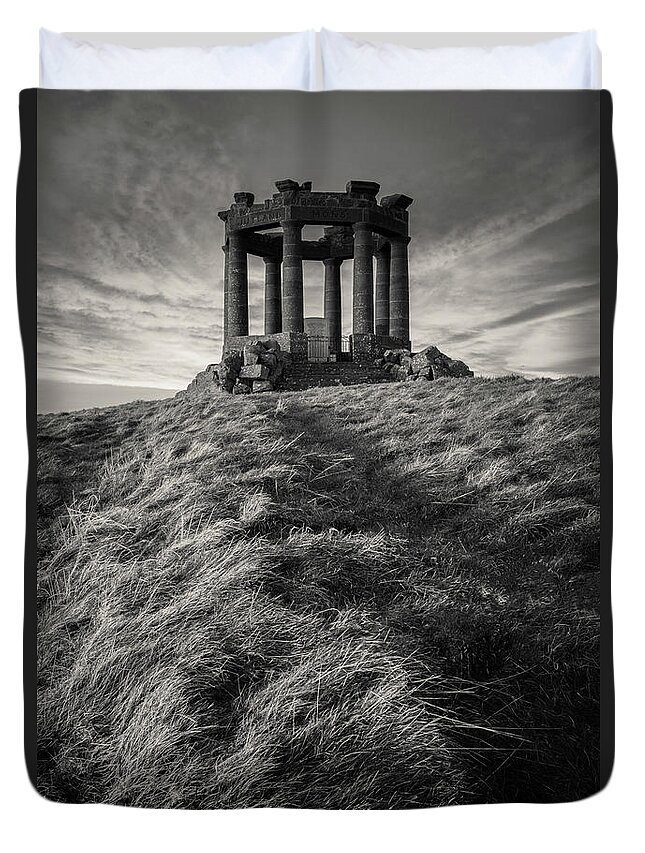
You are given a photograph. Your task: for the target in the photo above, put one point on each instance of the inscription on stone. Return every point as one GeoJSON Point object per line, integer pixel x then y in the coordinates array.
{"type": "Point", "coordinates": [331, 214]}
{"type": "Point", "coordinates": [256, 217]}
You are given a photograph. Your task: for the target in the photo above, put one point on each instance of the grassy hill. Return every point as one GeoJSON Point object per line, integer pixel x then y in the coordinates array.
{"type": "Point", "coordinates": [371, 597]}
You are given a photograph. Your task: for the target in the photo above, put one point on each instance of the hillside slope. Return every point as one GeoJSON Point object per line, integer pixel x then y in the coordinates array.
{"type": "Point", "coordinates": [369, 597]}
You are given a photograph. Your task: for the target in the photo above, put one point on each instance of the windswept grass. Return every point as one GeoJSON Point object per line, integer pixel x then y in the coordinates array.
{"type": "Point", "coordinates": [365, 597]}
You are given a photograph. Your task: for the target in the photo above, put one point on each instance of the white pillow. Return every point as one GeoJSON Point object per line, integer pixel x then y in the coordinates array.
{"type": "Point", "coordinates": [568, 62]}
{"type": "Point", "coordinates": [286, 62]}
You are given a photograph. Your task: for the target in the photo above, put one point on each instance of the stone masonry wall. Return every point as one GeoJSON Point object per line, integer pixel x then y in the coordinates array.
{"type": "Point", "coordinates": [261, 364]}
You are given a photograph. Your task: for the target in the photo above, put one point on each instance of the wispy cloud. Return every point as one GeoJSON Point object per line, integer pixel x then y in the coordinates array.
{"type": "Point", "coordinates": [505, 223]}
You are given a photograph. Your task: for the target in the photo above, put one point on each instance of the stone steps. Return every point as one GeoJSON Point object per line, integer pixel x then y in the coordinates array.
{"type": "Point", "coordinates": [299, 376]}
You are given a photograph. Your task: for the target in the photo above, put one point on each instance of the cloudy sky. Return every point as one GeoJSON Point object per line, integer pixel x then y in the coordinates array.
{"type": "Point", "coordinates": [504, 258]}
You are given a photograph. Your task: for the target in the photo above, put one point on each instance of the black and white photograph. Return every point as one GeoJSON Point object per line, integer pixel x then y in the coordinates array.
{"type": "Point", "coordinates": [318, 448]}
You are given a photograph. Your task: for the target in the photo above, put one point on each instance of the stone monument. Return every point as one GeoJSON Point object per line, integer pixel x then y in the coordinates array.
{"type": "Point", "coordinates": [356, 226]}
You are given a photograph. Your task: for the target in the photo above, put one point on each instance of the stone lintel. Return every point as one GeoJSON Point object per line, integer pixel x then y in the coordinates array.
{"type": "Point", "coordinates": [265, 246]}
{"type": "Point", "coordinates": [388, 221]}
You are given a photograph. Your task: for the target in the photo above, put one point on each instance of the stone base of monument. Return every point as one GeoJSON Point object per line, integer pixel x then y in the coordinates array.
{"type": "Point", "coordinates": [299, 377]}
{"type": "Point", "coordinates": [262, 365]}
{"type": "Point", "coordinates": [367, 347]}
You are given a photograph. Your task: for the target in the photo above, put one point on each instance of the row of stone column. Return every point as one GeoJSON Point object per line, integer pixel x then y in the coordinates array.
{"type": "Point", "coordinates": [388, 314]}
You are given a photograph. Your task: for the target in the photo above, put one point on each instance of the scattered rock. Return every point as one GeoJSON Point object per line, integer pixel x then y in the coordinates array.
{"type": "Point", "coordinates": [208, 378]}
{"type": "Point", "coordinates": [250, 356]}
{"type": "Point", "coordinates": [269, 358]}
{"type": "Point", "coordinates": [259, 367]}
{"type": "Point", "coordinates": [400, 372]}
{"type": "Point", "coordinates": [232, 361]}
{"type": "Point", "coordinates": [254, 371]}
{"type": "Point", "coordinates": [425, 357]}
{"type": "Point", "coordinates": [430, 363]}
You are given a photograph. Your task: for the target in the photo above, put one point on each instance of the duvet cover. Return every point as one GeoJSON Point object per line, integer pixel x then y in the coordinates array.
{"type": "Point", "coordinates": [318, 403]}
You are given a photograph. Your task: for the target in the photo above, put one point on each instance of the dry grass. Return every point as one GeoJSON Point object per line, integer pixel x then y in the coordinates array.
{"type": "Point", "coordinates": [367, 597]}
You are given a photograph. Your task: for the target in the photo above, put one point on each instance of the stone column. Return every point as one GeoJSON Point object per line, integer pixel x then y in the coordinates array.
{"type": "Point", "coordinates": [332, 303]}
{"type": "Point", "coordinates": [400, 290]}
{"type": "Point", "coordinates": [225, 318]}
{"type": "Point", "coordinates": [382, 310]}
{"type": "Point", "coordinates": [272, 296]}
{"type": "Point", "coordinates": [237, 302]}
{"type": "Point", "coordinates": [363, 289]}
{"type": "Point", "coordinates": [293, 319]}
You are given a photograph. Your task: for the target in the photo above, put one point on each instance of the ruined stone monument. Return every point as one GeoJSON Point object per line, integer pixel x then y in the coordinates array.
{"type": "Point", "coordinates": [356, 226]}
{"type": "Point", "coordinates": [297, 352]}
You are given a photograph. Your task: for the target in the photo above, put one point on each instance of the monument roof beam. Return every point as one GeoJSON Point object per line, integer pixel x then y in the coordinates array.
{"type": "Point", "coordinates": [298, 202]}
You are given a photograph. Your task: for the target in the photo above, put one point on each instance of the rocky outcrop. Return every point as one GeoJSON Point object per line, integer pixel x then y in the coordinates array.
{"type": "Point", "coordinates": [428, 364]}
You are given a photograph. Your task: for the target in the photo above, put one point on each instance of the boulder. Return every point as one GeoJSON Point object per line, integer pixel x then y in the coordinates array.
{"type": "Point", "coordinates": [406, 361]}
{"type": "Point", "coordinates": [262, 385]}
{"type": "Point", "coordinates": [268, 358]}
{"type": "Point", "coordinates": [440, 370]}
{"type": "Point", "coordinates": [241, 388]}
{"type": "Point", "coordinates": [251, 356]}
{"type": "Point", "coordinates": [232, 360]}
{"type": "Point", "coordinates": [431, 363]}
{"type": "Point", "coordinates": [425, 357]}
{"type": "Point", "coordinates": [207, 377]}
{"type": "Point", "coordinates": [254, 371]}
{"type": "Point", "coordinates": [458, 368]}
{"type": "Point", "coordinates": [401, 373]}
